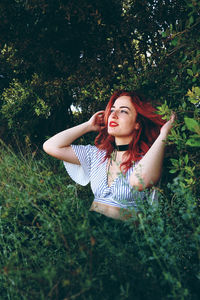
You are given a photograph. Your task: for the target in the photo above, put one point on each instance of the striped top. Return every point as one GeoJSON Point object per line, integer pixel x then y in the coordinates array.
{"type": "Point", "coordinates": [93, 169]}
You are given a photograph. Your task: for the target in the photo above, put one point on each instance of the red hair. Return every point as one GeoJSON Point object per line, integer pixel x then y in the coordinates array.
{"type": "Point", "coordinates": [149, 128]}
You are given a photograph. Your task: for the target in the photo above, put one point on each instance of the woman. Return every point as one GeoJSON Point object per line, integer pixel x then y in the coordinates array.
{"type": "Point", "coordinates": [126, 159]}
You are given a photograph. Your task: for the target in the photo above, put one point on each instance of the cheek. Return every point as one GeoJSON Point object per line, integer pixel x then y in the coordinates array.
{"type": "Point", "coordinates": [130, 124]}
{"type": "Point", "coordinates": [129, 121]}
{"type": "Point", "coordinates": [108, 120]}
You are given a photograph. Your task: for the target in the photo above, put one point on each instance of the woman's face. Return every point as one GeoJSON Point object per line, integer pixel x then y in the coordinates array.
{"type": "Point", "coordinates": [122, 120]}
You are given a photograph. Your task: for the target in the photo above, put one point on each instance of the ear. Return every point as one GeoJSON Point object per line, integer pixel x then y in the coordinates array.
{"type": "Point", "coordinates": [137, 126]}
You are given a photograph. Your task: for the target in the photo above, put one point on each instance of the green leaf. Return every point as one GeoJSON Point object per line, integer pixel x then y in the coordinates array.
{"type": "Point", "coordinates": [184, 105]}
{"type": "Point", "coordinates": [173, 171]}
{"type": "Point", "coordinates": [194, 141]}
{"type": "Point", "coordinates": [196, 90]}
{"type": "Point", "coordinates": [174, 41]}
{"type": "Point", "coordinates": [186, 159]}
{"type": "Point", "coordinates": [192, 124]}
{"type": "Point", "coordinates": [174, 162]}
{"type": "Point", "coordinates": [190, 72]}
{"type": "Point", "coordinates": [191, 20]}
{"type": "Point", "coordinates": [194, 68]}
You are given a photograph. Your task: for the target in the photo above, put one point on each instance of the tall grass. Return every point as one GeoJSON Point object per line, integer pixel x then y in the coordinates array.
{"type": "Point", "coordinates": [52, 247]}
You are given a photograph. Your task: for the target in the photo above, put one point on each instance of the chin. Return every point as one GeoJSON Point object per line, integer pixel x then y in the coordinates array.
{"type": "Point", "coordinates": [110, 132]}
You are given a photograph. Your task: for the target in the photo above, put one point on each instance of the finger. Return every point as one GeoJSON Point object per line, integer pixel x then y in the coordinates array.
{"type": "Point", "coordinates": [173, 117]}
{"type": "Point", "coordinates": [100, 120]}
{"type": "Point", "coordinates": [99, 113]}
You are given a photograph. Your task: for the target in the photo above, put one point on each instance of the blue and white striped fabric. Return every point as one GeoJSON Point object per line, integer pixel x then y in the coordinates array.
{"type": "Point", "coordinates": [94, 170]}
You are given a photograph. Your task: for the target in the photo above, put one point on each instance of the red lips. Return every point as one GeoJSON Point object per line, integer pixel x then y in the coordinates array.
{"type": "Point", "coordinates": [113, 124]}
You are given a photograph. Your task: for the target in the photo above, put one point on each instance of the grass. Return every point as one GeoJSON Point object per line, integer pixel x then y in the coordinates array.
{"type": "Point", "coordinates": [52, 247]}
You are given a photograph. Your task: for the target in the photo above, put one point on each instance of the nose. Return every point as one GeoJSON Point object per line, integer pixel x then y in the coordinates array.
{"type": "Point", "coordinates": [114, 114]}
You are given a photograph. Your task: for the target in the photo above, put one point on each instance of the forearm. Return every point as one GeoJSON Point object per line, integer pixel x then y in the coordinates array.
{"type": "Point", "coordinates": [148, 170]}
{"type": "Point", "coordinates": [67, 137]}
{"type": "Point", "coordinates": [59, 145]}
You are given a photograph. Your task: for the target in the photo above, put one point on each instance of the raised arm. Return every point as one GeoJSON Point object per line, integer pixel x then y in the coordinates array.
{"type": "Point", "coordinates": [59, 145]}
{"type": "Point", "coordinates": [148, 170]}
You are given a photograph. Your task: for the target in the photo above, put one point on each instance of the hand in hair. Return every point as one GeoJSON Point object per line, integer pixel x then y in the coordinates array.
{"type": "Point", "coordinates": [96, 121]}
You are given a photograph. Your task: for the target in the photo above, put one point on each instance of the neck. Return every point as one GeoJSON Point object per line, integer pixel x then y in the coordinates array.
{"type": "Point", "coordinates": [121, 147]}
{"type": "Point", "coordinates": [123, 140]}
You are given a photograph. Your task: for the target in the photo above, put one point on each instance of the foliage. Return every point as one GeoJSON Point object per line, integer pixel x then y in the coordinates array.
{"type": "Point", "coordinates": [193, 124]}
{"type": "Point", "coordinates": [52, 247]}
{"type": "Point", "coordinates": [26, 108]}
{"type": "Point", "coordinates": [57, 53]}
{"type": "Point", "coordinates": [81, 51]}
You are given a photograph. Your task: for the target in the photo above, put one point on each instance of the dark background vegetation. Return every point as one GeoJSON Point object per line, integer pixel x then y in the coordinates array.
{"type": "Point", "coordinates": [55, 54]}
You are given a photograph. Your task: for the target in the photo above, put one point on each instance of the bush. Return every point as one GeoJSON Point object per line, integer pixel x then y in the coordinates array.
{"type": "Point", "coordinates": [52, 247]}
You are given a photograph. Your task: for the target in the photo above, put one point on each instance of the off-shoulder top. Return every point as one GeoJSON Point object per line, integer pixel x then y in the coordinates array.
{"type": "Point", "coordinates": [93, 169]}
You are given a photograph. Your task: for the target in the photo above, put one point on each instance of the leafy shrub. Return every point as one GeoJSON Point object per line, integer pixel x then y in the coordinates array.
{"type": "Point", "coordinates": [52, 247]}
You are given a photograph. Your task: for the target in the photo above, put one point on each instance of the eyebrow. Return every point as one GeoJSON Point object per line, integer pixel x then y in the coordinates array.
{"type": "Point", "coordinates": [123, 107]}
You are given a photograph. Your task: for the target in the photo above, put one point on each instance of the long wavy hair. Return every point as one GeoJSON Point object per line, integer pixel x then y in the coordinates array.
{"type": "Point", "coordinates": [149, 128]}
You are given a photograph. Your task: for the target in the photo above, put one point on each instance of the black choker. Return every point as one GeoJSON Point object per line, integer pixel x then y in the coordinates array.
{"type": "Point", "coordinates": [121, 147]}
{"type": "Point", "coordinates": [117, 148]}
